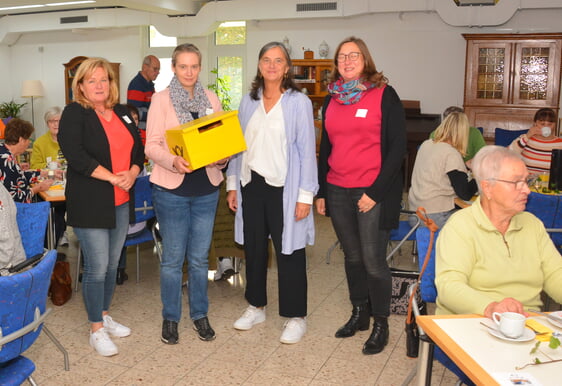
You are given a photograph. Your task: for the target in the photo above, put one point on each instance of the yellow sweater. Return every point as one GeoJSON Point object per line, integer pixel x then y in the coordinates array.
{"type": "Point", "coordinates": [44, 147]}
{"type": "Point", "coordinates": [476, 265]}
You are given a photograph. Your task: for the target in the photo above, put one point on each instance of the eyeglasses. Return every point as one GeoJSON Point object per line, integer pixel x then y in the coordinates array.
{"type": "Point", "coordinates": [275, 62]}
{"type": "Point", "coordinates": [353, 56]}
{"type": "Point", "coordinates": [518, 185]}
{"type": "Point", "coordinates": [53, 121]}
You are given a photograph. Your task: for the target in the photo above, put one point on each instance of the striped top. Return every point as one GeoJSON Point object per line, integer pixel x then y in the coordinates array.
{"type": "Point", "coordinates": [536, 152]}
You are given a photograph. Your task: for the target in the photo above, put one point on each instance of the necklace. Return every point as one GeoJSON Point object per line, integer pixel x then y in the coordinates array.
{"type": "Point", "coordinates": [101, 112]}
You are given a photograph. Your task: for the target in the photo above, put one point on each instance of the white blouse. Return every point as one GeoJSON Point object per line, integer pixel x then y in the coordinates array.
{"type": "Point", "coordinates": [267, 146]}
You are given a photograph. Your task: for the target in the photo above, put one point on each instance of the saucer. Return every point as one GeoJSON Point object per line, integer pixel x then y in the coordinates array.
{"type": "Point", "coordinates": [554, 322]}
{"type": "Point", "coordinates": [527, 335]}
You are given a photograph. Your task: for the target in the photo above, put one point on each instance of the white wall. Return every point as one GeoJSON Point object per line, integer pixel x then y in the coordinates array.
{"type": "Point", "coordinates": [421, 55]}
{"type": "Point", "coordinates": [41, 56]}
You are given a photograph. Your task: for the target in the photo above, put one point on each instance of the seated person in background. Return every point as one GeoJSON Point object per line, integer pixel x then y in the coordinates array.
{"type": "Point", "coordinates": [11, 249]}
{"type": "Point", "coordinates": [46, 149]}
{"type": "Point", "coordinates": [475, 138]}
{"type": "Point", "coordinates": [440, 173]}
{"type": "Point", "coordinates": [47, 146]}
{"type": "Point", "coordinates": [15, 180]}
{"type": "Point", "coordinates": [493, 256]}
{"type": "Point", "coordinates": [536, 146]}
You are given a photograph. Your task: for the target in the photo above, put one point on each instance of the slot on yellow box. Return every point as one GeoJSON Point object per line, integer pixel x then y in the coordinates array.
{"type": "Point", "coordinates": [207, 139]}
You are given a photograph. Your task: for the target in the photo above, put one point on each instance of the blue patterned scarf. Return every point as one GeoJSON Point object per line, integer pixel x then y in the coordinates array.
{"type": "Point", "coordinates": [348, 93]}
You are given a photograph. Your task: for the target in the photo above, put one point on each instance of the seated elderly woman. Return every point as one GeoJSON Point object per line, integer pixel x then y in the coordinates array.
{"type": "Point", "coordinates": [493, 256]}
{"type": "Point", "coordinates": [440, 173]}
{"type": "Point", "coordinates": [537, 144]}
{"type": "Point", "coordinates": [22, 185]}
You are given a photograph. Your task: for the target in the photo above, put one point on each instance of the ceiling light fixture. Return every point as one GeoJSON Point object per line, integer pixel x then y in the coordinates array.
{"type": "Point", "coordinates": [21, 7]}
{"type": "Point", "coordinates": [46, 5]}
{"type": "Point", "coordinates": [70, 3]}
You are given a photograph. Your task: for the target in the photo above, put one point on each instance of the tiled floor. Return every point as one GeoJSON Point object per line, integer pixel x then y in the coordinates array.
{"type": "Point", "coordinates": [254, 357]}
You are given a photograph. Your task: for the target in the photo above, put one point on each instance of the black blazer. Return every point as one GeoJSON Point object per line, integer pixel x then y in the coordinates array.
{"type": "Point", "coordinates": [386, 190]}
{"type": "Point", "coordinates": [91, 202]}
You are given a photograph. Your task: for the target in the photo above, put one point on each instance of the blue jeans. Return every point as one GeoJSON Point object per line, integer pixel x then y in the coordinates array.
{"type": "Point", "coordinates": [186, 226]}
{"type": "Point", "coordinates": [101, 248]}
{"type": "Point", "coordinates": [364, 247]}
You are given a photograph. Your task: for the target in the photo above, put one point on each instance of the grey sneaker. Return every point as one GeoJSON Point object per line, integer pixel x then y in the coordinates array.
{"type": "Point", "coordinates": [169, 332]}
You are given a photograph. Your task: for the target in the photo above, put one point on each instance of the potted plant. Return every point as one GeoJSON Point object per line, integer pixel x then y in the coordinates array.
{"type": "Point", "coordinates": [11, 109]}
{"type": "Point", "coordinates": [221, 87]}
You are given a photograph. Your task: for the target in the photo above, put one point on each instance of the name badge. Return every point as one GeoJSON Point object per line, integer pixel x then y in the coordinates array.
{"type": "Point", "coordinates": [361, 113]}
{"type": "Point", "coordinates": [126, 119]}
{"type": "Point", "coordinates": [209, 111]}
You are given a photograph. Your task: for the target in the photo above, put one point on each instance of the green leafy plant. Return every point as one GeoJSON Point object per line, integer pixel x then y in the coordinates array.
{"type": "Point", "coordinates": [221, 87]}
{"type": "Point", "coordinates": [553, 343]}
{"type": "Point", "coordinates": [11, 109]}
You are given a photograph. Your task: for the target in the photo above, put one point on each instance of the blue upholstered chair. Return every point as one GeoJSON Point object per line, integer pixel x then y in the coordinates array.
{"type": "Point", "coordinates": [23, 297]}
{"type": "Point", "coordinates": [32, 223]}
{"type": "Point", "coordinates": [503, 137]}
{"type": "Point", "coordinates": [549, 210]}
{"type": "Point", "coordinates": [428, 294]}
{"type": "Point", "coordinates": [144, 211]}
{"type": "Point", "coordinates": [403, 233]}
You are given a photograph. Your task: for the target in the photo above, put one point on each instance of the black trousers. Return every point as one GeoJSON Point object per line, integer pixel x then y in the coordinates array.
{"type": "Point", "coordinates": [262, 208]}
{"type": "Point", "coordinates": [364, 246]}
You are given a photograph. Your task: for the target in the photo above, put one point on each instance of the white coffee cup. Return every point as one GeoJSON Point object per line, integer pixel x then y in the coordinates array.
{"type": "Point", "coordinates": [511, 324]}
{"type": "Point", "coordinates": [546, 131]}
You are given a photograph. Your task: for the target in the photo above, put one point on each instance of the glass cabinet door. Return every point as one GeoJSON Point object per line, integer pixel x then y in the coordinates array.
{"type": "Point", "coordinates": [488, 73]}
{"type": "Point", "coordinates": [535, 75]}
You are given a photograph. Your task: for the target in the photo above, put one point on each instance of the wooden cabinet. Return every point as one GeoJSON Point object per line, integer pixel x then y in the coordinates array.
{"type": "Point", "coordinates": [508, 77]}
{"type": "Point", "coordinates": [312, 76]}
{"type": "Point", "coordinates": [70, 69]}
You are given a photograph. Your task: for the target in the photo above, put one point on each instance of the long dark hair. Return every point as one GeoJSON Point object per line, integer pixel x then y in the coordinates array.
{"type": "Point", "coordinates": [288, 81]}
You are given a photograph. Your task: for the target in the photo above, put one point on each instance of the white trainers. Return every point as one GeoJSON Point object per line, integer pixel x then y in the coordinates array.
{"type": "Point", "coordinates": [101, 342]}
{"type": "Point", "coordinates": [295, 328]}
{"type": "Point", "coordinates": [250, 317]}
{"type": "Point", "coordinates": [114, 328]}
{"type": "Point", "coordinates": [224, 269]}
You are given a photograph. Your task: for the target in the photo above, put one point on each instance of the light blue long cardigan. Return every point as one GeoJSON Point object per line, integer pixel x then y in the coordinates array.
{"type": "Point", "coordinates": [302, 172]}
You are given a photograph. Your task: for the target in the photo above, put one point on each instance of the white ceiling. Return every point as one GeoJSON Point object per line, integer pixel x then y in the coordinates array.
{"type": "Point", "coordinates": [167, 7]}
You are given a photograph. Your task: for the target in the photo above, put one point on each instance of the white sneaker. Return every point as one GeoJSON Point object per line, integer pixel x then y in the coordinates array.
{"type": "Point", "coordinates": [224, 269]}
{"type": "Point", "coordinates": [250, 317]}
{"type": "Point", "coordinates": [101, 342]}
{"type": "Point", "coordinates": [63, 239]}
{"type": "Point", "coordinates": [295, 328]}
{"type": "Point", "coordinates": [114, 328]}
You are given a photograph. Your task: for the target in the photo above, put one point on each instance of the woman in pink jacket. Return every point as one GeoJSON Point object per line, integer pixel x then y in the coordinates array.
{"type": "Point", "coordinates": [185, 200]}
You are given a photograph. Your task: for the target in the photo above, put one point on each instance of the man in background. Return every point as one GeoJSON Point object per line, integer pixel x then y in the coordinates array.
{"type": "Point", "coordinates": [141, 88]}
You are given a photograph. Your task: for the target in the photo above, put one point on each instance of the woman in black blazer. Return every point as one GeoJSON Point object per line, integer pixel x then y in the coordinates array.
{"type": "Point", "coordinates": [104, 153]}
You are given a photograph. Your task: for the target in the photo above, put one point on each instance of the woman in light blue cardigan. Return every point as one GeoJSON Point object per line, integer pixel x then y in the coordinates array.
{"type": "Point", "coordinates": [271, 187]}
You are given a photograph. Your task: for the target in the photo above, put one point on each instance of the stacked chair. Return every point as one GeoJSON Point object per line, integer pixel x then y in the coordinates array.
{"type": "Point", "coordinates": [23, 297]}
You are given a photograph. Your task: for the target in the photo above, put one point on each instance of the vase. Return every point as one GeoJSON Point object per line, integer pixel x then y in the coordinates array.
{"type": "Point", "coordinates": [323, 49]}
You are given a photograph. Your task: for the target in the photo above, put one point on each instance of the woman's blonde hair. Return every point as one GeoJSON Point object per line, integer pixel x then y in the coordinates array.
{"type": "Point", "coordinates": [85, 70]}
{"type": "Point", "coordinates": [454, 130]}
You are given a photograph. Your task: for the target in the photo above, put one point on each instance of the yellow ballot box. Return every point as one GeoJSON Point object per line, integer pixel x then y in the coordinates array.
{"type": "Point", "coordinates": [207, 139]}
